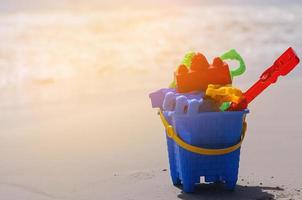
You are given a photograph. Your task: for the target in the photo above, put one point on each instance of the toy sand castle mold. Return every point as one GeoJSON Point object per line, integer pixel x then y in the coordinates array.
{"type": "Point", "coordinates": [201, 74]}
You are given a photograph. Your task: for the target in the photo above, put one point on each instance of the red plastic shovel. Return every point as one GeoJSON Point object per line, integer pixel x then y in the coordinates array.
{"type": "Point", "coordinates": [282, 66]}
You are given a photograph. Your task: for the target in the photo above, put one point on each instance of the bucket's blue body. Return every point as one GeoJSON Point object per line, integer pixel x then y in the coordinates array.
{"type": "Point", "coordinates": [213, 130]}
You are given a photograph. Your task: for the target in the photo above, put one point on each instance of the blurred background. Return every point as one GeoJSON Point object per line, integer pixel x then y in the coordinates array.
{"type": "Point", "coordinates": [75, 77]}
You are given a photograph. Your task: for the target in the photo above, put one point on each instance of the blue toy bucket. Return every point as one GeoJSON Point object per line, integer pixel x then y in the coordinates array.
{"type": "Point", "coordinates": [205, 145]}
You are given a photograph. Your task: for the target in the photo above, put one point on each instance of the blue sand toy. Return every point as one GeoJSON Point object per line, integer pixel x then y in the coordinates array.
{"type": "Point", "coordinates": [157, 97]}
{"type": "Point", "coordinates": [203, 144]}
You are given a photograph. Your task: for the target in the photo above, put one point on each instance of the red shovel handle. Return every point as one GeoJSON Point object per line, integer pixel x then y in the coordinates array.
{"type": "Point", "coordinates": [282, 66]}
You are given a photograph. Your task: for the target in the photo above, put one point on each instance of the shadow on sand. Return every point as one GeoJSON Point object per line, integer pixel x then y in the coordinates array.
{"type": "Point", "coordinates": [217, 192]}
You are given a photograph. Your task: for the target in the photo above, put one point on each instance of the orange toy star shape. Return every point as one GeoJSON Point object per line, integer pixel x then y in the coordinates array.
{"type": "Point", "coordinates": [201, 74]}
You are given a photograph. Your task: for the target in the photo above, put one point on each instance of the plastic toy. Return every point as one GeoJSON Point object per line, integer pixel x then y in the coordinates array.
{"type": "Point", "coordinates": [281, 67]}
{"type": "Point", "coordinates": [234, 55]}
{"type": "Point", "coordinates": [213, 154]}
{"type": "Point", "coordinates": [223, 94]}
{"type": "Point", "coordinates": [201, 74]}
{"type": "Point", "coordinates": [172, 103]}
{"type": "Point", "coordinates": [158, 96]}
{"type": "Point", "coordinates": [208, 105]}
{"type": "Point", "coordinates": [187, 60]}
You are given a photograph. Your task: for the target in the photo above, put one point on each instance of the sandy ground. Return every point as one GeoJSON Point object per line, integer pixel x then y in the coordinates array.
{"type": "Point", "coordinates": [104, 147]}
{"type": "Point", "coordinates": [76, 122]}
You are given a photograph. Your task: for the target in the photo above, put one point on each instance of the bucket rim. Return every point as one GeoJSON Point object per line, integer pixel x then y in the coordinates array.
{"type": "Point", "coordinates": [243, 112]}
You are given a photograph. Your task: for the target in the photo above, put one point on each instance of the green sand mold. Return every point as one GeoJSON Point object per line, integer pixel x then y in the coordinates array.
{"type": "Point", "coordinates": [233, 55]}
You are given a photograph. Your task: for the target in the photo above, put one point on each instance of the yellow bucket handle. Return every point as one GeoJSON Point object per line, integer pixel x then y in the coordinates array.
{"type": "Point", "coordinates": [173, 135]}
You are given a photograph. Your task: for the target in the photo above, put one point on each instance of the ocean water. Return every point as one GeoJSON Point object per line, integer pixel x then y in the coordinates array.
{"type": "Point", "coordinates": [55, 54]}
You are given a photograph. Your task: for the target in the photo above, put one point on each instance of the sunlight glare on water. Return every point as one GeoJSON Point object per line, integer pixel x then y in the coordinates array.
{"type": "Point", "coordinates": [55, 55]}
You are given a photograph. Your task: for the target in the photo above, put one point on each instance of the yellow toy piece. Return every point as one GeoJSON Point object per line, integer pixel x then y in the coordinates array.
{"type": "Point", "coordinates": [224, 93]}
